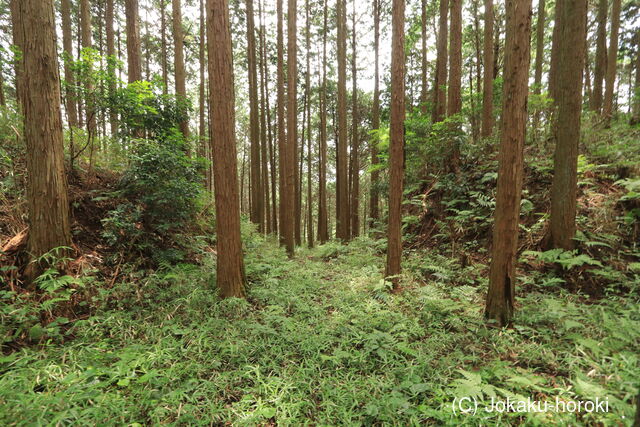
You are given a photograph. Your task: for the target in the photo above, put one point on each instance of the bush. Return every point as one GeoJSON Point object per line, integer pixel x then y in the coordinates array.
{"type": "Point", "coordinates": [163, 190]}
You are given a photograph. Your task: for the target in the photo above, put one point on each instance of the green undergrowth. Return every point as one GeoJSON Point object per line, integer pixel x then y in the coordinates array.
{"type": "Point", "coordinates": [322, 341]}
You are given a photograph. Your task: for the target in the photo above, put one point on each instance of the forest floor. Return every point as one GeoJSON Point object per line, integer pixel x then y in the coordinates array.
{"type": "Point", "coordinates": [321, 340]}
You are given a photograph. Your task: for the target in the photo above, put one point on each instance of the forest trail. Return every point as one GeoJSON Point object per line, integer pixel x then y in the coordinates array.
{"type": "Point", "coordinates": [319, 339]}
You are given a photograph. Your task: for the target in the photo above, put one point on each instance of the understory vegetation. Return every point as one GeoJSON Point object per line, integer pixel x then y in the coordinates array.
{"type": "Point", "coordinates": [321, 340]}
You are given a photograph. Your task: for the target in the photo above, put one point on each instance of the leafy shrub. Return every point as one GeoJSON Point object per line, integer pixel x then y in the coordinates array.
{"type": "Point", "coordinates": [163, 190]}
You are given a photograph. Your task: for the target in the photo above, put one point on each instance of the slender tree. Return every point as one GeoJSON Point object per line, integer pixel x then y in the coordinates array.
{"type": "Point", "coordinates": [257, 196]}
{"type": "Point", "coordinates": [612, 63]}
{"type": "Point", "coordinates": [308, 102]}
{"type": "Point", "coordinates": [374, 213]}
{"type": "Point", "coordinates": [562, 225]}
{"type": "Point", "coordinates": [537, 80]}
{"type": "Point", "coordinates": [635, 110]}
{"type": "Point", "coordinates": [87, 43]}
{"type": "Point", "coordinates": [292, 115]}
{"type": "Point", "coordinates": [423, 55]}
{"type": "Point", "coordinates": [555, 55]}
{"type": "Point", "coordinates": [501, 296]}
{"type": "Point", "coordinates": [263, 128]}
{"type": "Point", "coordinates": [133, 41]}
{"type": "Point", "coordinates": [230, 265]}
{"type": "Point", "coordinates": [454, 101]}
{"type": "Point", "coordinates": [342, 178]}
{"type": "Point", "coordinates": [439, 86]}
{"type": "Point", "coordinates": [111, 59]}
{"type": "Point", "coordinates": [178, 45]}
{"type": "Point", "coordinates": [354, 203]}
{"type": "Point", "coordinates": [163, 47]}
{"type": "Point", "coordinates": [286, 199]}
{"type": "Point", "coordinates": [67, 43]}
{"type": "Point", "coordinates": [323, 229]}
{"type": "Point", "coordinates": [396, 145]}
{"type": "Point", "coordinates": [2, 97]}
{"type": "Point", "coordinates": [601, 55]}
{"type": "Point", "coordinates": [48, 203]}
{"type": "Point", "coordinates": [487, 86]}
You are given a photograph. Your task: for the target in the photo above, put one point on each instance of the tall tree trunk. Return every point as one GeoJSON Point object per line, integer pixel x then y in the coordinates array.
{"type": "Point", "coordinates": [396, 146]}
{"type": "Point", "coordinates": [3, 102]}
{"type": "Point", "coordinates": [374, 213]}
{"type": "Point", "coordinates": [555, 56]}
{"type": "Point", "coordinates": [354, 203]}
{"type": "Point", "coordinates": [292, 116]}
{"type": "Point", "coordinates": [601, 55]}
{"type": "Point", "coordinates": [230, 265]}
{"type": "Point", "coordinates": [439, 87]}
{"type": "Point", "coordinates": [267, 112]}
{"type": "Point", "coordinates": [423, 55]}
{"type": "Point", "coordinates": [537, 80]}
{"type": "Point", "coordinates": [133, 41]}
{"type": "Point", "coordinates": [635, 110]}
{"type": "Point", "coordinates": [454, 102]}
{"type": "Point", "coordinates": [67, 43]}
{"type": "Point", "coordinates": [612, 63]}
{"type": "Point", "coordinates": [308, 100]}
{"type": "Point", "coordinates": [286, 199]}
{"type": "Point", "coordinates": [562, 225]}
{"type": "Point", "coordinates": [487, 90]}
{"type": "Point", "coordinates": [263, 125]}
{"type": "Point", "coordinates": [178, 45]}
{"type": "Point", "coordinates": [48, 203]}
{"type": "Point", "coordinates": [501, 296]}
{"type": "Point", "coordinates": [323, 227]}
{"type": "Point", "coordinates": [163, 46]}
{"type": "Point", "coordinates": [201, 92]}
{"type": "Point", "coordinates": [85, 26]}
{"type": "Point", "coordinates": [257, 207]}
{"type": "Point", "coordinates": [111, 61]}
{"type": "Point", "coordinates": [342, 178]}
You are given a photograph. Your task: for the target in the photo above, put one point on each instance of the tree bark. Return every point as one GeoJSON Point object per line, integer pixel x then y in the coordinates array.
{"type": "Point", "coordinates": [163, 47]}
{"type": "Point", "coordinates": [454, 102]}
{"type": "Point", "coordinates": [2, 98]}
{"type": "Point", "coordinates": [440, 92]}
{"type": "Point", "coordinates": [555, 56]}
{"type": "Point", "coordinates": [67, 43]}
{"type": "Point", "coordinates": [263, 127]}
{"type": "Point", "coordinates": [537, 80]}
{"type": "Point", "coordinates": [292, 116]}
{"type": "Point", "coordinates": [286, 199]}
{"type": "Point", "coordinates": [572, 36]}
{"type": "Point", "coordinates": [612, 63]}
{"type": "Point", "coordinates": [342, 178]}
{"type": "Point", "coordinates": [487, 90]}
{"type": "Point", "coordinates": [354, 203]}
{"type": "Point", "coordinates": [230, 265]}
{"type": "Point", "coordinates": [48, 204]}
{"type": "Point", "coordinates": [323, 227]}
{"type": "Point", "coordinates": [396, 146]}
{"type": "Point", "coordinates": [85, 27]}
{"type": "Point", "coordinates": [374, 212]}
{"type": "Point", "coordinates": [308, 101]}
{"type": "Point", "coordinates": [133, 41]}
{"type": "Point", "coordinates": [423, 55]}
{"type": "Point", "coordinates": [257, 196]}
{"type": "Point", "coordinates": [500, 299]}
{"type": "Point", "coordinates": [601, 55]}
{"type": "Point", "coordinates": [635, 110]}
{"type": "Point", "coordinates": [111, 61]}
{"type": "Point", "coordinates": [178, 45]}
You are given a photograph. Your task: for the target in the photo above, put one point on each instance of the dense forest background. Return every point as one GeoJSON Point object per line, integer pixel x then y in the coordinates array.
{"type": "Point", "coordinates": [319, 211]}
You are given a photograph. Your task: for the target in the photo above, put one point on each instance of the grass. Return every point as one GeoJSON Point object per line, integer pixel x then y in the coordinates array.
{"type": "Point", "coordinates": [321, 341]}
